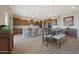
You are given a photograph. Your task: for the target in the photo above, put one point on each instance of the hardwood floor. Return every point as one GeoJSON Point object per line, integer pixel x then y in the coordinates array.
{"type": "Point", "coordinates": [34, 45]}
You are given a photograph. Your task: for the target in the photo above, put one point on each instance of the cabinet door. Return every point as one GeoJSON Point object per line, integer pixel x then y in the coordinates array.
{"type": "Point", "coordinates": [4, 45]}
{"type": "Point", "coordinates": [53, 21]}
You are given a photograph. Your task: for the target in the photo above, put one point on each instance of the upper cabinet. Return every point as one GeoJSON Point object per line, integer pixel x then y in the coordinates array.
{"type": "Point", "coordinates": [18, 21]}
{"type": "Point", "coordinates": [52, 21]}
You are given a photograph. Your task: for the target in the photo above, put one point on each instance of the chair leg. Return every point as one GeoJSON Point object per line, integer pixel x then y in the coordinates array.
{"type": "Point", "coordinates": [46, 41]}
{"type": "Point", "coordinates": [52, 41]}
{"type": "Point", "coordinates": [42, 40]}
{"type": "Point", "coordinates": [58, 44]}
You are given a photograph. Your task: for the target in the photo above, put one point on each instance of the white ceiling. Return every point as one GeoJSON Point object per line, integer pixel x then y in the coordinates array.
{"type": "Point", "coordinates": [42, 11]}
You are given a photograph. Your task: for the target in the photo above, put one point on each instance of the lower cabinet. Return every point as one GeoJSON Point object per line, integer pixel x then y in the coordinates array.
{"type": "Point", "coordinates": [71, 32]}
{"type": "Point", "coordinates": [6, 43]}
{"type": "Point", "coordinates": [17, 31]}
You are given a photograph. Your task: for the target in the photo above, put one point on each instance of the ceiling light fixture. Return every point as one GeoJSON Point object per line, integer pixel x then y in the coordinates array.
{"type": "Point", "coordinates": [54, 14]}
{"type": "Point", "coordinates": [73, 7]}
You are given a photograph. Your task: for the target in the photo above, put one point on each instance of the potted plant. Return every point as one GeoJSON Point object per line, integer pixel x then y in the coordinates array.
{"type": "Point", "coordinates": [5, 30]}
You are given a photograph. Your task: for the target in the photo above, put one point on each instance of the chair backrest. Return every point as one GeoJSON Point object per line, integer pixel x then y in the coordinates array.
{"type": "Point", "coordinates": [45, 32]}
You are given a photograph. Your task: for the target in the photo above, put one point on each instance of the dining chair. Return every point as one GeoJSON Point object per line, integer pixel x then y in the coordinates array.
{"type": "Point", "coordinates": [46, 37]}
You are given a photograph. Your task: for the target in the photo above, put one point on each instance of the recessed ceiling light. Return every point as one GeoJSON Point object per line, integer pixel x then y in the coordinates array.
{"type": "Point", "coordinates": [73, 7]}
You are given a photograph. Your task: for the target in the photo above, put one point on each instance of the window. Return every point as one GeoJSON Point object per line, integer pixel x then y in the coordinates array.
{"type": "Point", "coordinates": [7, 19]}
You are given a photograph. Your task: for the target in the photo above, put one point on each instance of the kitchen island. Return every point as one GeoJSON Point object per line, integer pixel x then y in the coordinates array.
{"type": "Point", "coordinates": [25, 30]}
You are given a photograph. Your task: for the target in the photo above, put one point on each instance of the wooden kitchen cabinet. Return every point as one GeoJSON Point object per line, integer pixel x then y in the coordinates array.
{"type": "Point", "coordinates": [20, 22]}
{"type": "Point", "coordinates": [52, 21]}
{"type": "Point", "coordinates": [6, 43]}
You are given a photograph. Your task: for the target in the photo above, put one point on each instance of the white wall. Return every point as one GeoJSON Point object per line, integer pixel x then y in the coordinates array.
{"type": "Point", "coordinates": [76, 20]}
{"type": "Point", "coordinates": [4, 8]}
